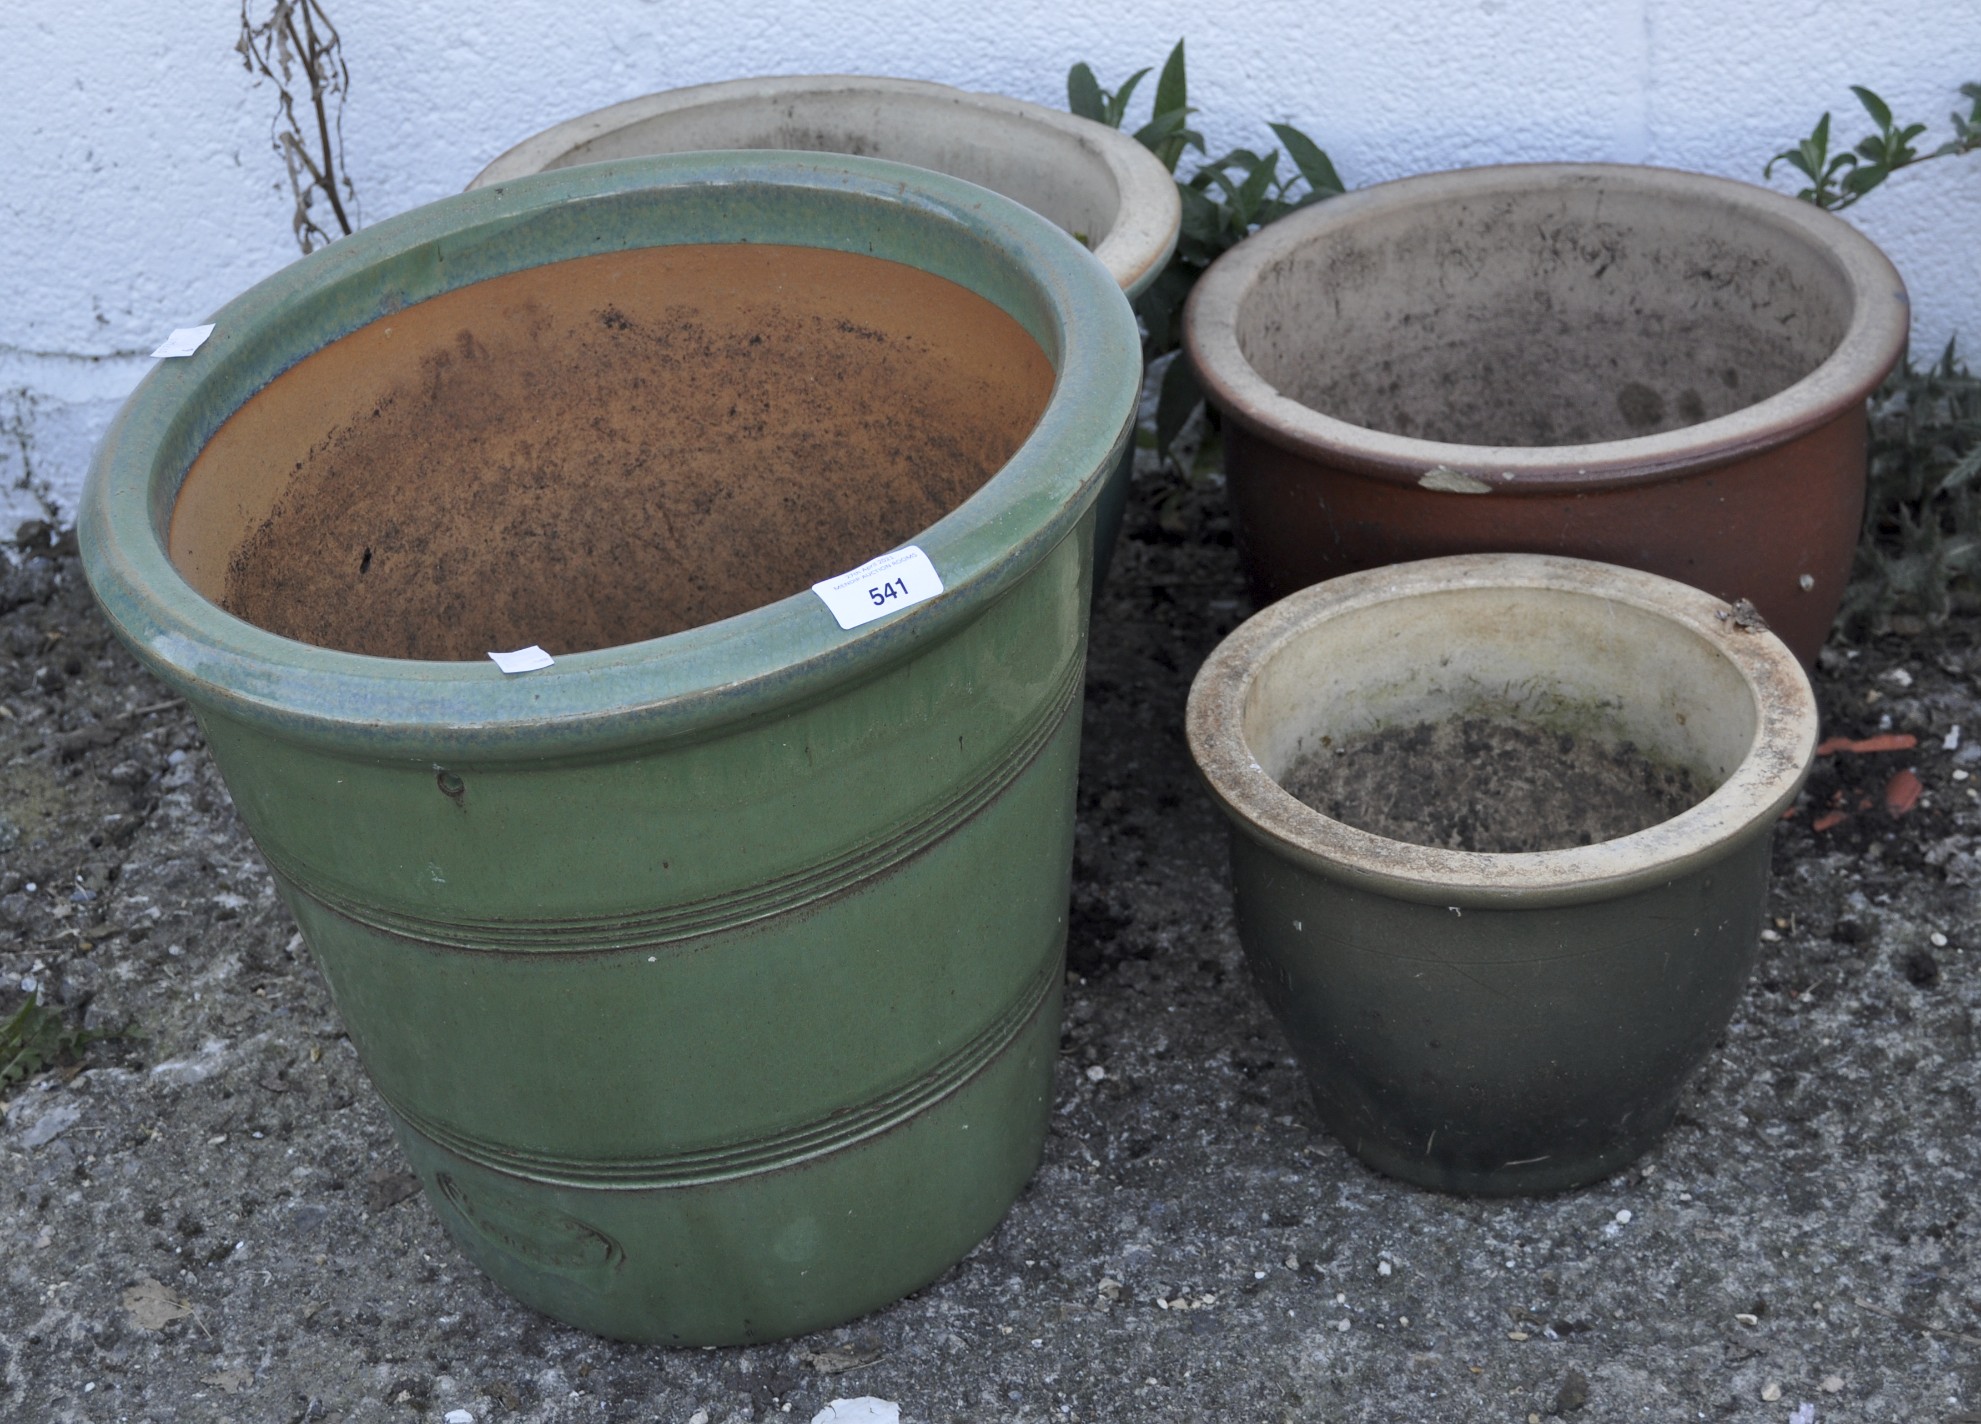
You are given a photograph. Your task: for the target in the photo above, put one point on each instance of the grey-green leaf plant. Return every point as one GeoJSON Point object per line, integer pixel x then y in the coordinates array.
{"type": "Point", "coordinates": [1225, 200]}
{"type": "Point", "coordinates": [1919, 556]}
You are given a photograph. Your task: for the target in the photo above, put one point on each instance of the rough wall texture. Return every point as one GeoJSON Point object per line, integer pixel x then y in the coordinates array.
{"type": "Point", "coordinates": [142, 191]}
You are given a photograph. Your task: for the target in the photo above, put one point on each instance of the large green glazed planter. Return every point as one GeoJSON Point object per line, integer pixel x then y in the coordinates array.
{"type": "Point", "coordinates": [1502, 1023]}
{"type": "Point", "coordinates": [1090, 180]}
{"type": "Point", "coordinates": [712, 979]}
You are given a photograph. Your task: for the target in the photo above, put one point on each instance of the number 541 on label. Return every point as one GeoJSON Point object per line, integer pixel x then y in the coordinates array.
{"type": "Point", "coordinates": [880, 586]}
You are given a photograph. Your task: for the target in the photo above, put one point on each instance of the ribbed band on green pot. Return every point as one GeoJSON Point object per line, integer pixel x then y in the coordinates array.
{"type": "Point", "coordinates": [1637, 365]}
{"type": "Point", "coordinates": [712, 980]}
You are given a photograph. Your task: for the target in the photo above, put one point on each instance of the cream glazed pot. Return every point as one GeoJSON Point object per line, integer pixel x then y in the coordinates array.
{"type": "Point", "coordinates": [1093, 181]}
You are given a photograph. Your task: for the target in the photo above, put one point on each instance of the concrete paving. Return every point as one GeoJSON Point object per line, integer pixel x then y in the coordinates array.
{"type": "Point", "coordinates": [212, 1221]}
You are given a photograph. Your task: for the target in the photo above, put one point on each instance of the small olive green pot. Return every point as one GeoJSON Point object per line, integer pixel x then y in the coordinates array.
{"type": "Point", "coordinates": [1502, 1023]}
{"type": "Point", "coordinates": [712, 981]}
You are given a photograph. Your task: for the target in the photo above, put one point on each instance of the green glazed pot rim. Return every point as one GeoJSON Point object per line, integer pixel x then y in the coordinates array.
{"type": "Point", "coordinates": [685, 684]}
{"type": "Point", "coordinates": [1745, 805]}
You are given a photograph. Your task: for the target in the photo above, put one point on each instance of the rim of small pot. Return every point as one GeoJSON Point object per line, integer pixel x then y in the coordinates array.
{"type": "Point", "coordinates": [1134, 251]}
{"type": "Point", "coordinates": [717, 675]}
{"type": "Point", "coordinates": [1748, 801]}
{"type": "Point", "coordinates": [1872, 342]}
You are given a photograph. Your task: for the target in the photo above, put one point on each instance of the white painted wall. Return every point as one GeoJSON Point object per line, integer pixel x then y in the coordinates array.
{"type": "Point", "coordinates": [138, 190]}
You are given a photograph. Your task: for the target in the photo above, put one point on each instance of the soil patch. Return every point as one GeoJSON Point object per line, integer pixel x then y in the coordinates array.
{"type": "Point", "coordinates": [1194, 1246]}
{"type": "Point", "coordinates": [1491, 784]}
{"type": "Point", "coordinates": [605, 450]}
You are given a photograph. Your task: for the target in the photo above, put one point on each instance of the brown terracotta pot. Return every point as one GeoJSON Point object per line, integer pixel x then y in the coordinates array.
{"type": "Point", "coordinates": [1635, 365]}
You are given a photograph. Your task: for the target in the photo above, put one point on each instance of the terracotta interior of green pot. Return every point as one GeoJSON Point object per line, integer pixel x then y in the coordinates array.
{"type": "Point", "coordinates": [605, 450]}
{"type": "Point", "coordinates": [1565, 665]}
{"type": "Point", "coordinates": [1550, 316]}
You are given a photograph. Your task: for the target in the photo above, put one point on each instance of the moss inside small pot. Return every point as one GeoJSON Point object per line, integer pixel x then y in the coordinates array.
{"type": "Point", "coordinates": [1493, 777]}
{"type": "Point", "coordinates": [605, 450]}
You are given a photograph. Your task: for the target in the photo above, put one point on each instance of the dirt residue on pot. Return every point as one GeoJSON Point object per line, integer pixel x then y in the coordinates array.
{"type": "Point", "coordinates": [1561, 381]}
{"type": "Point", "coordinates": [605, 450]}
{"type": "Point", "coordinates": [1544, 316]}
{"type": "Point", "coordinates": [1491, 784]}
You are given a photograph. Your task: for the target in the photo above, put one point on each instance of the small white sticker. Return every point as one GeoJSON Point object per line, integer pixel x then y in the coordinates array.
{"type": "Point", "coordinates": [185, 341]}
{"type": "Point", "coordinates": [864, 1410]}
{"type": "Point", "coordinates": [523, 659]}
{"type": "Point", "coordinates": [880, 586]}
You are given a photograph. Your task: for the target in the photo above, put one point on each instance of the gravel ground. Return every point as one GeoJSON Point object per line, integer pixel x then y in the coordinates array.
{"type": "Point", "coordinates": [210, 1220]}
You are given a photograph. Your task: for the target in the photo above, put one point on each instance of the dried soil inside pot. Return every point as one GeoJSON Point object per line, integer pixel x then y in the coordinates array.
{"type": "Point", "coordinates": [1560, 314]}
{"type": "Point", "coordinates": [605, 450]}
{"type": "Point", "coordinates": [1493, 784]}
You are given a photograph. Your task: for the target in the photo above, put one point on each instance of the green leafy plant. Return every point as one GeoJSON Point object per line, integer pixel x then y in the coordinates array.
{"type": "Point", "coordinates": [36, 1039]}
{"type": "Point", "coordinates": [1167, 134]}
{"type": "Point", "coordinates": [1837, 180]}
{"type": "Point", "coordinates": [1919, 556]}
{"type": "Point", "coordinates": [1225, 200]}
{"type": "Point", "coordinates": [1920, 553]}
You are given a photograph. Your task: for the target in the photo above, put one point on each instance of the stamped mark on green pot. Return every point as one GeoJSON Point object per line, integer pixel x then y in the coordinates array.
{"type": "Point", "coordinates": [551, 1239]}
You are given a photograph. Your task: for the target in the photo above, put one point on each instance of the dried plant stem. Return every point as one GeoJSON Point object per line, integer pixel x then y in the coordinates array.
{"type": "Point", "coordinates": [297, 43]}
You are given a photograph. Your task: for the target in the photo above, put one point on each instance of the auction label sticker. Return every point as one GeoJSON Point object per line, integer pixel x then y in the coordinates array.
{"type": "Point", "coordinates": [880, 586]}
{"type": "Point", "coordinates": [185, 340]}
{"type": "Point", "coordinates": [523, 659]}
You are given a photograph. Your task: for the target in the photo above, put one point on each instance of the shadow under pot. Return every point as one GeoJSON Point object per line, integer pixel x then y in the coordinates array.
{"type": "Point", "coordinates": [1091, 181]}
{"type": "Point", "coordinates": [1500, 840]}
{"type": "Point", "coordinates": [1647, 367]}
{"type": "Point", "coordinates": [711, 974]}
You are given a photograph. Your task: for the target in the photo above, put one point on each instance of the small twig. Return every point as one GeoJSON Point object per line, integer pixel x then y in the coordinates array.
{"type": "Point", "coordinates": [1915, 1324]}
{"type": "Point", "coordinates": [166, 706]}
{"type": "Point", "coordinates": [319, 54]}
{"type": "Point", "coordinates": [275, 48]}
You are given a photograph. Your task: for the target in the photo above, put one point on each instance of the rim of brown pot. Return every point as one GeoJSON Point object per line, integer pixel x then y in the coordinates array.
{"type": "Point", "coordinates": [1872, 342]}
{"type": "Point", "coordinates": [1748, 802]}
{"type": "Point", "coordinates": [1133, 251]}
